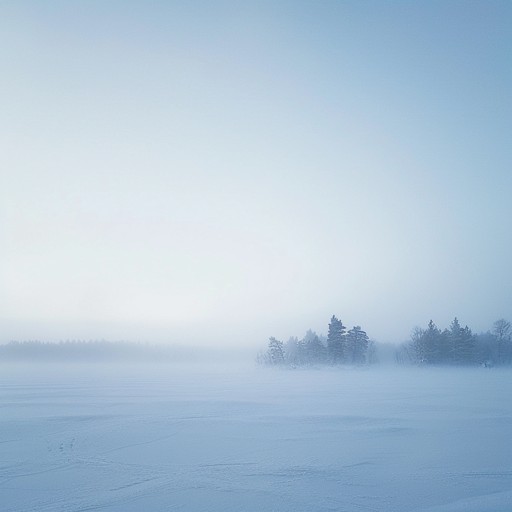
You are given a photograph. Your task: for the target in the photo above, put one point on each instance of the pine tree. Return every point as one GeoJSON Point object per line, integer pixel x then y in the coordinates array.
{"type": "Point", "coordinates": [293, 352]}
{"type": "Point", "coordinates": [435, 347]}
{"type": "Point", "coordinates": [314, 349]}
{"type": "Point", "coordinates": [418, 345]}
{"type": "Point", "coordinates": [275, 351]}
{"type": "Point", "coordinates": [462, 343]}
{"type": "Point", "coordinates": [430, 345]}
{"type": "Point", "coordinates": [357, 344]}
{"type": "Point", "coordinates": [454, 336]}
{"type": "Point", "coordinates": [467, 346]}
{"type": "Point", "coordinates": [336, 341]}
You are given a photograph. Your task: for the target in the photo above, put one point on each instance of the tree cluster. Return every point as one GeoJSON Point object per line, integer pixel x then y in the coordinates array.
{"type": "Point", "coordinates": [457, 345]}
{"type": "Point", "coordinates": [339, 347]}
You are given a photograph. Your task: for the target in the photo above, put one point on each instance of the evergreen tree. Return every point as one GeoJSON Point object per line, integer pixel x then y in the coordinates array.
{"type": "Point", "coordinates": [275, 351]}
{"type": "Point", "coordinates": [462, 343]}
{"type": "Point", "coordinates": [419, 351]}
{"type": "Point", "coordinates": [293, 351]}
{"type": "Point", "coordinates": [357, 344]}
{"type": "Point", "coordinates": [445, 347]}
{"type": "Point", "coordinates": [430, 341]}
{"type": "Point", "coordinates": [314, 349]}
{"type": "Point", "coordinates": [436, 347]}
{"type": "Point", "coordinates": [458, 345]}
{"type": "Point", "coordinates": [336, 341]}
{"type": "Point", "coordinates": [467, 346]}
{"type": "Point", "coordinates": [454, 335]}
{"type": "Point", "coordinates": [430, 345]}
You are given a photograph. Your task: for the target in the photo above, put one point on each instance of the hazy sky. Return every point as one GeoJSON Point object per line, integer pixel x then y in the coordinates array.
{"type": "Point", "coordinates": [208, 171]}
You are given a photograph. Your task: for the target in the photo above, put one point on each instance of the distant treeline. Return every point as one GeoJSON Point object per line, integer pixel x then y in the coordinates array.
{"type": "Point", "coordinates": [454, 345]}
{"type": "Point", "coordinates": [76, 350]}
{"type": "Point", "coordinates": [339, 347]}
{"type": "Point", "coordinates": [457, 345]}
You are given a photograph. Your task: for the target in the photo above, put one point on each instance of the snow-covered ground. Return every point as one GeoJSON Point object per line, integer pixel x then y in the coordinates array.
{"type": "Point", "coordinates": [250, 439]}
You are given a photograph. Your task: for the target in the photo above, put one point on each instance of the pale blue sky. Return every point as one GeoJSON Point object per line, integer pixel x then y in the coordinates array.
{"type": "Point", "coordinates": [205, 171]}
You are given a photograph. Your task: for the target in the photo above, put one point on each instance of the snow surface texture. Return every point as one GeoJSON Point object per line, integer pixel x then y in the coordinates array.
{"type": "Point", "coordinates": [252, 439]}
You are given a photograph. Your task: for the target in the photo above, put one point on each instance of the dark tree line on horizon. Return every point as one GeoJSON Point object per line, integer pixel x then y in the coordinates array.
{"type": "Point", "coordinates": [339, 347]}
{"type": "Point", "coordinates": [96, 350]}
{"type": "Point", "coordinates": [457, 345]}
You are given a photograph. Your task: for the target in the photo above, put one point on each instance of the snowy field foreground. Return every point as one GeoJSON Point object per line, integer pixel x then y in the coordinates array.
{"type": "Point", "coordinates": [250, 439]}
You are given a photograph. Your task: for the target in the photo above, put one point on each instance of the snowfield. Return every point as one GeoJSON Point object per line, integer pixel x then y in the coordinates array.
{"type": "Point", "coordinates": [191, 438]}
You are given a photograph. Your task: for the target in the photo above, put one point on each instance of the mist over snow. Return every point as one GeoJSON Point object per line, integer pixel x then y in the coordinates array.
{"type": "Point", "coordinates": [255, 256]}
{"type": "Point", "coordinates": [205, 438]}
